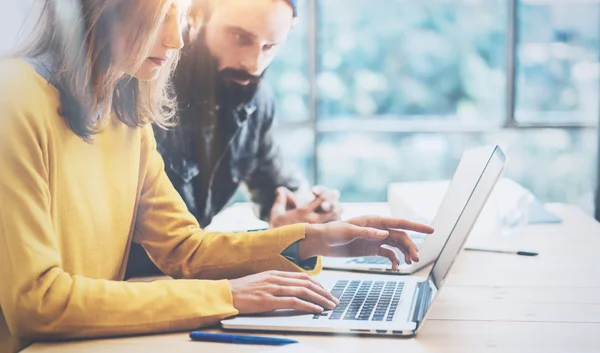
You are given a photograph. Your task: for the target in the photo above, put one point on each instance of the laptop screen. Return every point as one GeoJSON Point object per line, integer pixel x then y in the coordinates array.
{"type": "Point", "coordinates": [464, 181]}
{"type": "Point", "coordinates": [464, 223]}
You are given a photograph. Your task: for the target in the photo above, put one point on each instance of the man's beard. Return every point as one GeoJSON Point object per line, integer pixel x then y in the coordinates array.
{"type": "Point", "coordinates": [200, 80]}
{"type": "Point", "coordinates": [231, 93]}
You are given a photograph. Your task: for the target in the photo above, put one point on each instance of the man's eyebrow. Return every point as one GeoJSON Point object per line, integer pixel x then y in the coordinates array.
{"type": "Point", "coordinates": [242, 31]}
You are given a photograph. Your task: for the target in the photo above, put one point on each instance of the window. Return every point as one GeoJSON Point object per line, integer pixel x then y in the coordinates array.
{"type": "Point", "coordinates": [558, 70]}
{"type": "Point", "coordinates": [298, 145]}
{"type": "Point", "coordinates": [553, 163]}
{"type": "Point", "coordinates": [403, 87]}
{"type": "Point", "coordinates": [289, 73]}
{"type": "Point", "coordinates": [412, 60]}
{"type": "Point", "coordinates": [371, 92]}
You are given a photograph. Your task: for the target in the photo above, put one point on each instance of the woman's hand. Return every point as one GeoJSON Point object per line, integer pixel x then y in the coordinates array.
{"type": "Point", "coordinates": [272, 290]}
{"type": "Point", "coordinates": [362, 236]}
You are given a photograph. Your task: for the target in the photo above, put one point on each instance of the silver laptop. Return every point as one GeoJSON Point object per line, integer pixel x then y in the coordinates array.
{"type": "Point", "coordinates": [380, 304]}
{"type": "Point", "coordinates": [471, 166]}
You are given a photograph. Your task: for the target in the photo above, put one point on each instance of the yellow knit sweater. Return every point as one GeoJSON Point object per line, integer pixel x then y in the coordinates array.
{"type": "Point", "coordinates": [69, 211]}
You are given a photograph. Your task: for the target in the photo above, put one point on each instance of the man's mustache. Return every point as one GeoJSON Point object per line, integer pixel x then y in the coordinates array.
{"type": "Point", "coordinates": [238, 75]}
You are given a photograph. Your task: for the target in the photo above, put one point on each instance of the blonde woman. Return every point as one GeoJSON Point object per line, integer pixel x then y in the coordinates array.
{"type": "Point", "coordinates": [81, 180]}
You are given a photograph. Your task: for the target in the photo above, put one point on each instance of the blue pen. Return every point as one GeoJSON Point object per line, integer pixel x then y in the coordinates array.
{"type": "Point", "coordinates": [217, 337]}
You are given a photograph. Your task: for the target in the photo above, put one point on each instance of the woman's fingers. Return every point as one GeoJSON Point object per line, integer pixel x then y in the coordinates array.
{"type": "Point", "coordinates": [329, 301]}
{"type": "Point", "coordinates": [298, 275]}
{"type": "Point", "coordinates": [387, 223]}
{"type": "Point", "coordinates": [347, 233]}
{"type": "Point", "coordinates": [399, 239]}
{"type": "Point", "coordinates": [391, 255]}
{"type": "Point", "coordinates": [304, 293]}
{"type": "Point", "coordinates": [296, 304]}
{"type": "Point", "coordinates": [272, 290]}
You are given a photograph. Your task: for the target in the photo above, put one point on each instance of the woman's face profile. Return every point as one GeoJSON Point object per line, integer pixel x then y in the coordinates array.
{"type": "Point", "coordinates": [167, 42]}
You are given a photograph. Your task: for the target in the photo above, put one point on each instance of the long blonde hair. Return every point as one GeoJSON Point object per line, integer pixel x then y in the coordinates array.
{"type": "Point", "coordinates": [77, 37]}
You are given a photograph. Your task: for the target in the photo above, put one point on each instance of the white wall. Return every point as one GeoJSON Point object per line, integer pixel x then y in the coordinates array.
{"type": "Point", "coordinates": [13, 14]}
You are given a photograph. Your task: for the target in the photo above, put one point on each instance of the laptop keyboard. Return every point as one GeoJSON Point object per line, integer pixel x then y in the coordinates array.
{"type": "Point", "coordinates": [365, 300]}
{"type": "Point", "coordinates": [373, 260]}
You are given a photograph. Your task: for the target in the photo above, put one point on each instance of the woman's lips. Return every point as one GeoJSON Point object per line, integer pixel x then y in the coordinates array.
{"type": "Point", "coordinates": [158, 61]}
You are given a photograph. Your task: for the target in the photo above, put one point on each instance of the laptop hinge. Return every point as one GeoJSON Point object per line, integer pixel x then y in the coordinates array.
{"type": "Point", "coordinates": [423, 300]}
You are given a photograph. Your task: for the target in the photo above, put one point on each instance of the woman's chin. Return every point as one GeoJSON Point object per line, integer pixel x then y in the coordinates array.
{"type": "Point", "coordinates": [147, 73]}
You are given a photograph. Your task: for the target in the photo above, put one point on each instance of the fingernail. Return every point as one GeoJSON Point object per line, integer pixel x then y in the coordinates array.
{"type": "Point", "coordinates": [382, 233]}
{"type": "Point", "coordinates": [331, 305]}
{"type": "Point", "coordinates": [336, 301]}
{"type": "Point", "coordinates": [326, 206]}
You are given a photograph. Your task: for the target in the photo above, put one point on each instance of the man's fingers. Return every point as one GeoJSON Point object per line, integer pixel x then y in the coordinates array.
{"type": "Point", "coordinates": [331, 200]}
{"type": "Point", "coordinates": [279, 205]}
{"type": "Point", "coordinates": [338, 208]}
{"type": "Point", "coordinates": [326, 206]}
{"type": "Point", "coordinates": [334, 213]}
{"type": "Point", "coordinates": [292, 200]}
{"type": "Point", "coordinates": [391, 255]}
{"type": "Point", "coordinates": [315, 204]}
{"type": "Point", "coordinates": [319, 190]}
{"type": "Point", "coordinates": [324, 201]}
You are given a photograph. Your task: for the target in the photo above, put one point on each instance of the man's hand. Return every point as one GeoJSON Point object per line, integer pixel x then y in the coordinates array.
{"type": "Point", "coordinates": [272, 290]}
{"type": "Point", "coordinates": [325, 207]}
{"type": "Point", "coordinates": [362, 236]}
{"type": "Point", "coordinates": [331, 199]}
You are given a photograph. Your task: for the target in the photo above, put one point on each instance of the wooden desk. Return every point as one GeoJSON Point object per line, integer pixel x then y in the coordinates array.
{"type": "Point", "coordinates": [490, 302]}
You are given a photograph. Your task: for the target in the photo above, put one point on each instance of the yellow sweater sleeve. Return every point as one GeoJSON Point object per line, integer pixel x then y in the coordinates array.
{"type": "Point", "coordinates": [174, 241]}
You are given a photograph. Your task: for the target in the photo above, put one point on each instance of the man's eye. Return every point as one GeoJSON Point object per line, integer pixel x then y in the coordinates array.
{"type": "Point", "coordinates": [269, 46]}
{"type": "Point", "coordinates": [241, 39]}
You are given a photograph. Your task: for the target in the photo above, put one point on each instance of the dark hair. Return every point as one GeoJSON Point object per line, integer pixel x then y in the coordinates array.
{"type": "Point", "coordinates": [202, 10]}
{"type": "Point", "coordinates": [77, 37]}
